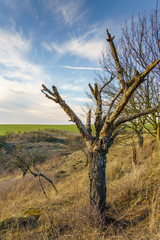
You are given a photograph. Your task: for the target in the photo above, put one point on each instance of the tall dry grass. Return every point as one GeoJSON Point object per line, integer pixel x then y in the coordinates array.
{"type": "Point", "coordinates": [133, 196]}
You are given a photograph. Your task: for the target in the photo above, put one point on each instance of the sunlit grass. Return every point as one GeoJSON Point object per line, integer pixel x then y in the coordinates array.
{"type": "Point", "coordinates": [16, 128]}
{"type": "Point", "coordinates": [132, 194]}
{"type": "Point", "coordinates": [21, 128]}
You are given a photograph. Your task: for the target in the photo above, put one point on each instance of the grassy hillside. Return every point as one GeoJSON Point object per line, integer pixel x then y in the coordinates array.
{"type": "Point", "coordinates": [133, 194]}
{"type": "Point", "coordinates": [16, 128]}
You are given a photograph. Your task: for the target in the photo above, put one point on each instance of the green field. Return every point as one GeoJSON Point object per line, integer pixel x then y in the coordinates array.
{"type": "Point", "coordinates": [21, 128]}
{"type": "Point", "coordinates": [16, 128]}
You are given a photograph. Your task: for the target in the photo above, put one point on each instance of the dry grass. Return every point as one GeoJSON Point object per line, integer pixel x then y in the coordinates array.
{"type": "Point", "coordinates": [133, 194]}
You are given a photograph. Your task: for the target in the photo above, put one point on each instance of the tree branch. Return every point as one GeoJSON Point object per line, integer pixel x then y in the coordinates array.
{"type": "Point", "coordinates": [67, 109]}
{"type": "Point", "coordinates": [118, 132]}
{"type": "Point", "coordinates": [113, 101]}
{"type": "Point", "coordinates": [98, 114]}
{"type": "Point", "coordinates": [146, 129]}
{"type": "Point", "coordinates": [111, 78]}
{"type": "Point", "coordinates": [123, 120]}
{"type": "Point", "coordinates": [86, 157]}
{"type": "Point", "coordinates": [44, 90]}
{"type": "Point", "coordinates": [125, 98]}
{"type": "Point", "coordinates": [96, 92]}
{"type": "Point", "coordinates": [148, 69]}
{"type": "Point", "coordinates": [40, 182]}
{"type": "Point", "coordinates": [39, 174]}
{"type": "Point", "coordinates": [88, 122]}
{"type": "Point", "coordinates": [92, 90]}
{"type": "Point", "coordinates": [49, 180]}
{"type": "Point", "coordinates": [115, 56]}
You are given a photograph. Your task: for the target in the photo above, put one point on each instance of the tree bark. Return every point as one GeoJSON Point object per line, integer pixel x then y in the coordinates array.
{"type": "Point", "coordinates": [97, 177]}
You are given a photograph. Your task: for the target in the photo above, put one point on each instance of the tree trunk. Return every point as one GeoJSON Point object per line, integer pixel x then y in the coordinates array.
{"type": "Point", "coordinates": [140, 138]}
{"type": "Point", "coordinates": [134, 156]}
{"type": "Point", "coordinates": [97, 176]}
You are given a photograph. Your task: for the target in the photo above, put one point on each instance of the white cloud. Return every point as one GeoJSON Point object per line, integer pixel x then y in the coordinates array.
{"type": "Point", "coordinates": [24, 103]}
{"type": "Point", "coordinates": [81, 47]}
{"type": "Point", "coordinates": [80, 99]}
{"type": "Point", "coordinates": [14, 52]}
{"type": "Point", "coordinates": [13, 48]}
{"type": "Point", "coordinates": [67, 10]}
{"type": "Point", "coordinates": [21, 100]}
{"type": "Point", "coordinates": [88, 45]}
{"type": "Point", "coordinates": [20, 80]}
{"type": "Point", "coordinates": [71, 87]}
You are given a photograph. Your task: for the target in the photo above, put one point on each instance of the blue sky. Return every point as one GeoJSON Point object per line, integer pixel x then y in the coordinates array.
{"type": "Point", "coordinates": [55, 42]}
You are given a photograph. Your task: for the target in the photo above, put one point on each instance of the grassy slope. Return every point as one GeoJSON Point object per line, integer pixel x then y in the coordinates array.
{"type": "Point", "coordinates": [133, 194]}
{"type": "Point", "coordinates": [8, 128]}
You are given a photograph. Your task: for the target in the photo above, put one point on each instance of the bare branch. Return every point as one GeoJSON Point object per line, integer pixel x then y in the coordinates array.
{"type": "Point", "coordinates": [49, 180]}
{"type": "Point", "coordinates": [113, 101]}
{"type": "Point", "coordinates": [125, 98]}
{"type": "Point", "coordinates": [86, 157]}
{"type": "Point", "coordinates": [123, 120]}
{"type": "Point", "coordinates": [40, 182]}
{"type": "Point", "coordinates": [68, 110]}
{"type": "Point", "coordinates": [142, 75]}
{"type": "Point", "coordinates": [111, 78]}
{"type": "Point", "coordinates": [148, 69]}
{"type": "Point", "coordinates": [33, 173]}
{"type": "Point", "coordinates": [146, 129]}
{"type": "Point", "coordinates": [98, 114]}
{"type": "Point", "coordinates": [56, 93]}
{"type": "Point", "coordinates": [92, 90]}
{"type": "Point", "coordinates": [96, 91]}
{"type": "Point", "coordinates": [53, 99]}
{"type": "Point", "coordinates": [45, 89]}
{"type": "Point", "coordinates": [88, 122]}
{"type": "Point", "coordinates": [39, 174]}
{"type": "Point", "coordinates": [50, 95]}
{"type": "Point", "coordinates": [104, 119]}
{"type": "Point", "coordinates": [118, 132]}
{"type": "Point", "coordinates": [115, 56]}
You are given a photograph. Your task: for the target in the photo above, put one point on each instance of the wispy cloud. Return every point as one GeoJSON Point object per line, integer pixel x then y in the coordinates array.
{"type": "Point", "coordinates": [13, 48]}
{"type": "Point", "coordinates": [80, 46]}
{"type": "Point", "coordinates": [21, 100]}
{"type": "Point", "coordinates": [88, 45]}
{"type": "Point", "coordinates": [67, 10]}
{"type": "Point", "coordinates": [15, 64]}
{"type": "Point", "coordinates": [82, 68]}
{"type": "Point", "coordinates": [17, 6]}
{"type": "Point", "coordinates": [71, 87]}
{"type": "Point", "coordinates": [20, 79]}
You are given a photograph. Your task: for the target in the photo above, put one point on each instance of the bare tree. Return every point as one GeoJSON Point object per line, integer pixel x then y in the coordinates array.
{"type": "Point", "coordinates": [106, 125]}
{"type": "Point", "coordinates": [26, 161]}
{"type": "Point", "coordinates": [140, 43]}
{"type": "Point", "coordinates": [139, 46]}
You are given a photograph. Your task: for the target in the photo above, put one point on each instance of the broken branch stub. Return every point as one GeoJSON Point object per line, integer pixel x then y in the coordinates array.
{"type": "Point", "coordinates": [118, 65]}
{"type": "Point", "coordinates": [88, 123]}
